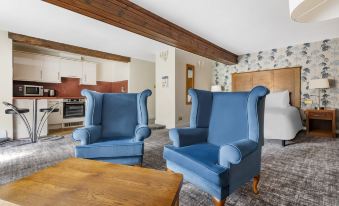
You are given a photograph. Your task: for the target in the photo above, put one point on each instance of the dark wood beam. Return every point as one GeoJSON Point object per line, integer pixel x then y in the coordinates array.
{"type": "Point", "coordinates": [66, 47]}
{"type": "Point", "coordinates": [129, 16]}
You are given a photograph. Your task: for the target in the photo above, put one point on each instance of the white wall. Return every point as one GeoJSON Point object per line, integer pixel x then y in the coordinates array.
{"type": "Point", "coordinates": [6, 82]}
{"type": "Point", "coordinates": [165, 100]}
{"type": "Point", "coordinates": [202, 80]}
{"type": "Point", "coordinates": [141, 77]}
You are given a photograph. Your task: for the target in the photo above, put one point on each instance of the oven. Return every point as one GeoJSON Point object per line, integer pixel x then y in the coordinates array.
{"type": "Point", "coordinates": [73, 108]}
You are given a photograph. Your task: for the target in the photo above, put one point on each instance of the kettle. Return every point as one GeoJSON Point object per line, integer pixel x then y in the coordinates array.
{"type": "Point", "coordinates": [52, 93]}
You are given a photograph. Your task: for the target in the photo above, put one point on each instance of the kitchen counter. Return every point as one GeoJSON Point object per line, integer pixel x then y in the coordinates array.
{"type": "Point", "coordinates": [48, 97]}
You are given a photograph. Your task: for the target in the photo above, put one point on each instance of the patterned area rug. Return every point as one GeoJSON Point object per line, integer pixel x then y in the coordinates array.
{"type": "Point", "coordinates": [306, 172]}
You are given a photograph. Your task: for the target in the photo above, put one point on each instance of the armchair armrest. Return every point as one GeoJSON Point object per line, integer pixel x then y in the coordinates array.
{"type": "Point", "coordinates": [87, 135]}
{"type": "Point", "coordinates": [142, 132]}
{"type": "Point", "coordinates": [235, 152]}
{"type": "Point", "coordinates": [188, 136]}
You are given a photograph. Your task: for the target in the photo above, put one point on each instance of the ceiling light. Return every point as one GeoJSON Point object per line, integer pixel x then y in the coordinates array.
{"type": "Point", "coordinates": [313, 10]}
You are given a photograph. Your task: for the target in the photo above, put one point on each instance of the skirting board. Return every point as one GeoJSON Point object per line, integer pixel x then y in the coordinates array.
{"type": "Point", "coordinates": [3, 134]}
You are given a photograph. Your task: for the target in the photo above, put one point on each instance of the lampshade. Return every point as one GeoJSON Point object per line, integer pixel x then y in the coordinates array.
{"type": "Point", "coordinates": [313, 10]}
{"type": "Point", "coordinates": [319, 84]}
{"type": "Point", "coordinates": [216, 88]}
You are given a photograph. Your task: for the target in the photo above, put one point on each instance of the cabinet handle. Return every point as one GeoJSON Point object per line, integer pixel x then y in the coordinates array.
{"type": "Point", "coordinates": [59, 76]}
{"type": "Point", "coordinates": [85, 78]}
{"type": "Point", "coordinates": [41, 75]}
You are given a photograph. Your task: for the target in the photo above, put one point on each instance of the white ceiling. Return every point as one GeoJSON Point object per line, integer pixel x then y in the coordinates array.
{"type": "Point", "coordinates": [39, 19]}
{"type": "Point", "coordinates": [241, 26]}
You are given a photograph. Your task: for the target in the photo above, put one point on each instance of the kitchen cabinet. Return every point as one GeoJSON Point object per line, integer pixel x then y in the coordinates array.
{"type": "Point", "coordinates": [55, 117]}
{"type": "Point", "coordinates": [70, 68]}
{"type": "Point", "coordinates": [36, 67]}
{"type": "Point", "coordinates": [27, 66]}
{"type": "Point", "coordinates": [51, 69]}
{"type": "Point", "coordinates": [19, 128]}
{"type": "Point", "coordinates": [89, 73]}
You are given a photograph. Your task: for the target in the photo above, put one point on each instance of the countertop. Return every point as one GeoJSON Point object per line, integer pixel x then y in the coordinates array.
{"type": "Point", "coordinates": [48, 97]}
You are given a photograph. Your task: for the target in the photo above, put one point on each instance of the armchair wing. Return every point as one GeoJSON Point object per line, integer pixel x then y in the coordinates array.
{"type": "Point", "coordinates": [188, 136]}
{"type": "Point", "coordinates": [142, 131]}
{"type": "Point", "coordinates": [235, 152]}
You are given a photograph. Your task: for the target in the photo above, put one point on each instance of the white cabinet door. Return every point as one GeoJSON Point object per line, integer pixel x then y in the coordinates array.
{"type": "Point", "coordinates": [70, 68]}
{"type": "Point", "coordinates": [19, 129]}
{"type": "Point", "coordinates": [51, 69]}
{"type": "Point", "coordinates": [27, 66]}
{"type": "Point", "coordinates": [89, 73]}
{"type": "Point", "coordinates": [56, 117]}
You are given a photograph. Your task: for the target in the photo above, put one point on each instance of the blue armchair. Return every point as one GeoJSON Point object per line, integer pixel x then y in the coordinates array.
{"type": "Point", "coordinates": [221, 150]}
{"type": "Point", "coordinates": [115, 127]}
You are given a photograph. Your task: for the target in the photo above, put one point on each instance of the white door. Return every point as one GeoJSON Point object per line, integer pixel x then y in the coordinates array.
{"type": "Point", "coordinates": [70, 68]}
{"type": "Point", "coordinates": [89, 73]}
{"type": "Point", "coordinates": [56, 117]}
{"type": "Point", "coordinates": [27, 66]}
{"type": "Point", "coordinates": [51, 69]}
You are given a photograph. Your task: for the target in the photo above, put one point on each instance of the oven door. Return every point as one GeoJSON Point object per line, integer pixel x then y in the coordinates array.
{"type": "Point", "coordinates": [74, 109]}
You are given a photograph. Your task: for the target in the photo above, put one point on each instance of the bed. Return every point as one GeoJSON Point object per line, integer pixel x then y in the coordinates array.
{"type": "Point", "coordinates": [282, 116]}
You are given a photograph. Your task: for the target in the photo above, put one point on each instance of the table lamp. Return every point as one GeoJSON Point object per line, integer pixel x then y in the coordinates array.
{"type": "Point", "coordinates": [319, 84]}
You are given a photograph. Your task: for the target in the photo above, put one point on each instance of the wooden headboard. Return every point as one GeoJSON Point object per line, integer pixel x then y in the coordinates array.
{"type": "Point", "coordinates": [275, 80]}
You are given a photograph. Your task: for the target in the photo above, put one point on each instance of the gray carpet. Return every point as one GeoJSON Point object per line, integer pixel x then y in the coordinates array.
{"type": "Point", "coordinates": [304, 173]}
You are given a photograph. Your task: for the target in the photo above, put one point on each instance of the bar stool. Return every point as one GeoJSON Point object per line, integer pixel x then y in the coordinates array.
{"type": "Point", "coordinates": [13, 110]}
{"type": "Point", "coordinates": [43, 120]}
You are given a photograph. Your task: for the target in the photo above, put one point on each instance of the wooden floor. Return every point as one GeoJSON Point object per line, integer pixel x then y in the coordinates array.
{"type": "Point", "coordinates": [60, 132]}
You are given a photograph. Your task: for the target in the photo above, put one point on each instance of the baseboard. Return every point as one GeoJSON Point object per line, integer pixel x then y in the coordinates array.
{"type": "Point", "coordinates": [3, 133]}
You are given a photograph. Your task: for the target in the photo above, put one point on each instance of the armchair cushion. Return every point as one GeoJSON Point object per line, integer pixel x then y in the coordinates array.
{"type": "Point", "coordinates": [236, 151]}
{"type": "Point", "coordinates": [188, 136]}
{"type": "Point", "coordinates": [87, 135]}
{"type": "Point", "coordinates": [201, 159]}
{"type": "Point", "coordinates": [110, 148]}
{"type": "Point", "coordinates": [142, 132]}
{"type": "Point", "coordinates": [119, 115]}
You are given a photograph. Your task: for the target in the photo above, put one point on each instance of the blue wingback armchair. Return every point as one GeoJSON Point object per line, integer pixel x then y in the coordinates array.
{"type": "Point", "coordinates": [221, 150]}
{"type": "Point", "coordinates": [115, 127]}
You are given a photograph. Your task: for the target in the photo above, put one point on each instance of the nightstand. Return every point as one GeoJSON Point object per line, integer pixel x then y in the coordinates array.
{"type": "Point", "coordinates": [321, 123]}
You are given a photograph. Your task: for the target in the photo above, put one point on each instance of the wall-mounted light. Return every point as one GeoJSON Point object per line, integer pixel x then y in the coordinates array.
{"type": "Point", "coordinates": [164, 55]}
{"type": "Point", "coordinates": [200, 63]}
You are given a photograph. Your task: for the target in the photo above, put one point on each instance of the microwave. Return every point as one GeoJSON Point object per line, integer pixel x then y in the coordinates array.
{"type": "Point", "coordinates": [28, 90]}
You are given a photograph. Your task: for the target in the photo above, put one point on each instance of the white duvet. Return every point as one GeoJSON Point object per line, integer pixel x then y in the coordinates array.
{"type": "Point", "coordinates": [282, 123]}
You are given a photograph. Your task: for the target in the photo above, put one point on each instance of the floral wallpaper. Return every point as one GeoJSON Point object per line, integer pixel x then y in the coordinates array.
{"type": "Point", "coordinates": [317, 60]}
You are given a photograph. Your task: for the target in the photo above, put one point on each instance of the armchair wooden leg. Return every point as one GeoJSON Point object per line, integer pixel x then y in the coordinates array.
{"type": "Point", "coordinates": [217, 202]}
{"type": "Point", "coordinates": [255, 184]}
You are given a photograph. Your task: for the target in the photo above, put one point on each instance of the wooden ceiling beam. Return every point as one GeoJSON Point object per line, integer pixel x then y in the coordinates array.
{"type": "Point", "coordinates": [66, 47]}
{"type": "Point", "coordinates": [129, 16]}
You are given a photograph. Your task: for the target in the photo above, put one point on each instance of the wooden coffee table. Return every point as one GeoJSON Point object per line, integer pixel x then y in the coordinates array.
{"type": "Point", "coordinates": [88, 182]}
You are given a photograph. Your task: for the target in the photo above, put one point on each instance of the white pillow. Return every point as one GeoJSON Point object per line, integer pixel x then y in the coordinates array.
{"type": "Point", "coordinates": [278, 99]}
